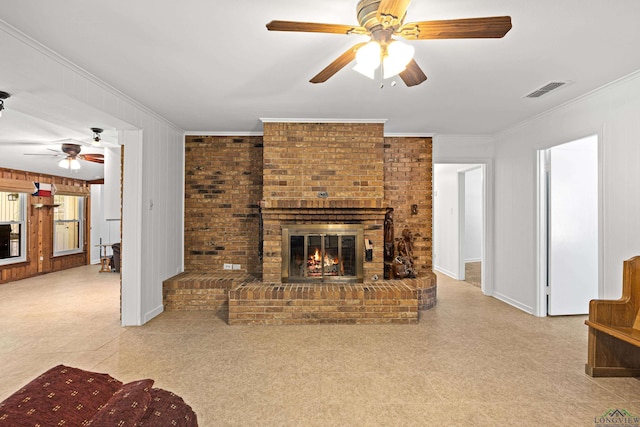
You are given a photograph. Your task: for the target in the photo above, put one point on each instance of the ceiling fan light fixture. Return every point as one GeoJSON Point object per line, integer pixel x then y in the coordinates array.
{"type": "Point", "coordinates": [3, 96]}
{"type": "Point", "coordinates": [96, 136]}
{"type": "Point", "coordinates": [398, 56]}
{"type": "Point", "coordinates": [368, 59]}
{"type": "Point", "coordinates": [68, 163]}
{"type": "Point", "coordinates": [365, 71]}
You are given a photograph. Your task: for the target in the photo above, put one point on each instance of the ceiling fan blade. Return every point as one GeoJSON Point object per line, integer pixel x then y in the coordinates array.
{"type": "Point", "coordinates": [391, 12]}
{"type": "Point", "coordinates": [337, 65]}
{"type": "Point", "coordinates": [313, 27]}
{"type": "Point", "coordinates": [45, 155]}
{"type": "Point", "coordinates": [95, 158]}
{"type": "Point", "coordinates": [484, 28]}
{"type": "Point", "coordinates": [413, 74]}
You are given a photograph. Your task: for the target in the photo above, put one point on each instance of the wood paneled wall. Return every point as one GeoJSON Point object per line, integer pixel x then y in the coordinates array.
{"type": "Point", "coordinates": [40, 257]}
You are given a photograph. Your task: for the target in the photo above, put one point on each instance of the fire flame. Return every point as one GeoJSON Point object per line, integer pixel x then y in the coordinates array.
{"type": "Point", "coordinates": [316, 256]}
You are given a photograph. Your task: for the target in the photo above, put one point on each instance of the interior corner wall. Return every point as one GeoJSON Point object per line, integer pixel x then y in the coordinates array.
{"type": "Point", "coordinates": [161, 164]}
{"type": "Point", "coordinates": [613, 113]}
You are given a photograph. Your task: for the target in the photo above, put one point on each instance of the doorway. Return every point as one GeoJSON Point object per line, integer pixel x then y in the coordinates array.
{"type": "Point", "coordinates": [568, 227]}
{"type": "Point", "coordinates": [470, 224]}
{"type": "Point", "coordinates": [459, 228]}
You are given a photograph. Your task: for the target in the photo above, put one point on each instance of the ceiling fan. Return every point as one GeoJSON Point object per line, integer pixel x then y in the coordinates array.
{"type": "Point", "coordinates": [71, 156]}
{"type": "Point", "coordinates": [384, 19]}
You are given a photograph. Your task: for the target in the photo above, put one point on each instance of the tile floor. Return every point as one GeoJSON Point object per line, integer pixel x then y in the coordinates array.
{"type": "Point", "coordinates": [471, 361]}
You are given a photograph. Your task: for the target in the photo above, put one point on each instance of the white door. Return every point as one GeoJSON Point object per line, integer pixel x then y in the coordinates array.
{"type": "Point", "coordinates": [573, 226]}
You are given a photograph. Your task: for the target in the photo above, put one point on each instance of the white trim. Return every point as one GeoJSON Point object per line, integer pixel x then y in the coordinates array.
{"type": "Point", "coordinates": [240, 134]}
{"type": "Point", "coordinates": [131, 293]}
{"type": "Point", "coordinates": [319, 120]}
{"type": "Point", "coordinates": [53, 55]}
{"type": "Point", "coordinates": [451, 274]}
{"type": "Point", "coordinates": [23, 223]}
{"type": "Point", "coordinates": [540, 309]}
{"type": "Point", "coordinates": [409, 135]}
{"type": "Point", "coordinates": [512, 302]}
{"type": "Point", "coordinates": [601, 209]}
{"type": "Point", "coordinates": [219, 133]}
{"type": "Point", "coordinates": [153, 313]}
{"type": "Point", "coordinates": [460, 177]}
{"type": "Point", "coordinates": [82, 225]}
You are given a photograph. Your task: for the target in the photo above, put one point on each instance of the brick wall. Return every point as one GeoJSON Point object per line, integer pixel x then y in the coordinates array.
{"type": "Point", "coordinates": [343, 159]}
{"type": "Point", "coordinates": [223, 185]}
{"type": "Point", "coordinates": [362, 172]}
{"type": "Point", "coordinates": [409, 181]}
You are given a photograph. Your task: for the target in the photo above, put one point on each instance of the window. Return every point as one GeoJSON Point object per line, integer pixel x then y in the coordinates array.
{"type": "Point", "coordinates": [68, 221]}
{"type": "Point", "coordinates": [13, 229]}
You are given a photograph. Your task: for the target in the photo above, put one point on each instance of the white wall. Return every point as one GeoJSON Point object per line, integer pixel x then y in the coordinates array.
{"type": "Point", "coordinates": [156, 235]}
{"type": "Point", "coordinates": [613, 113]}
{"type": "Point", "coordinates": [97, 219]}
{"type": "Point", "coordinates": [105, 206]}
{"type": "Point", "coordinates": [473, 215]}
{"type": "Point", "coordinates": [445, 219]}
{"type": "Point", "coordinates": [112, 177]}
{"type": "Point", "coordinates": [106, 231]}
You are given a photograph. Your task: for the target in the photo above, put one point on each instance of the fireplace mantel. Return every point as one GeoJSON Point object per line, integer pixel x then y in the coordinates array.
{"type": "Point", "coordinates": [353, 204]}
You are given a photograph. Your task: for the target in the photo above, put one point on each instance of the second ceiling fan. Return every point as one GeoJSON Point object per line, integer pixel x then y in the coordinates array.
{"type": "Point", "coordinates": [384, 19]}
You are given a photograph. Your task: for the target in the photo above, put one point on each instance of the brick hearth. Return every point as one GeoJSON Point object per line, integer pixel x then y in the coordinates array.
{"type": "Point", "coordinates": [286, 304]}
{"type": "Point", "coordinates": [244, 300]}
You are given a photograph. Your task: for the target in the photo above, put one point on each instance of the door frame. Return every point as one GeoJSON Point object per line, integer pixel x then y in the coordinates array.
{"type": "Point", "coordinates": [542, 223]}
{"type": "Point", "coordinates": [487, 285]}
{"type": "Point", "coordinates": [462, 211]}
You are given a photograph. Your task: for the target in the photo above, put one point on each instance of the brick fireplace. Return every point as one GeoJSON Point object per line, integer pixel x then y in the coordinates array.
{"type": "Point", "coordinates": [241, 191]}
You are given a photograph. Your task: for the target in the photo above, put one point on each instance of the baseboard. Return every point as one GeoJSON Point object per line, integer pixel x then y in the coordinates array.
{"type": "Point", "coordinates": [153, 313]}
{"type": "Point", "coordinates": [512, 302]}
{"type": "Point", "coordinates": [472, 260]}
{"type": "Point", "coordinates": [447, 272]}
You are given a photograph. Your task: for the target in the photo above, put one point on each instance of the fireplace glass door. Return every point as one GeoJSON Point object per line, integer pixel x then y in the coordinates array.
{"type": "Point", "coordinates": [321, 253]}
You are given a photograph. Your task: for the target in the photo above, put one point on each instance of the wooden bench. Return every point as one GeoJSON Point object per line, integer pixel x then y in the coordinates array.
{"type": "Point", "coordinates": [614, 329]}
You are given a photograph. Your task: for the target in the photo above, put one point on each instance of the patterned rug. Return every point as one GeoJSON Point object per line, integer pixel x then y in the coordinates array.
{"type": "Point", "coordinates": [473, 273]}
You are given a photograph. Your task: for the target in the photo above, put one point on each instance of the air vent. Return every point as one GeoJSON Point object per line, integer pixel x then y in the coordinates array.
{"type": "Point", "coordinates": [545, 89]}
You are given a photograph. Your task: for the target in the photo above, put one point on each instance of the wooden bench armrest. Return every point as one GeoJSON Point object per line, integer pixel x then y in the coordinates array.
{"type": "Point", "coordinates": [626, 334]}
{"type": "Point", "coordinates": [620, 312]}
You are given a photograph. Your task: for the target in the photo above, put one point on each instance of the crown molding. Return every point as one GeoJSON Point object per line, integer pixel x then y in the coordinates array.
{"type": "Point", "coordinates": [55, 56]}
{"type": "Point", "coordinates": [222, 133]}
{"type": "Point", "coordinates": [319, 120]}
{"type": "Point", "coordinates": [235, 133]}
{"type": "Point", "coordinates": [409, 135]}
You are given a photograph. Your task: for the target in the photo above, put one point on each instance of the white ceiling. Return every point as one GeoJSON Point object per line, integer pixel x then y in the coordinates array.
{"type": "Point", "coordinates": [211, 66]}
